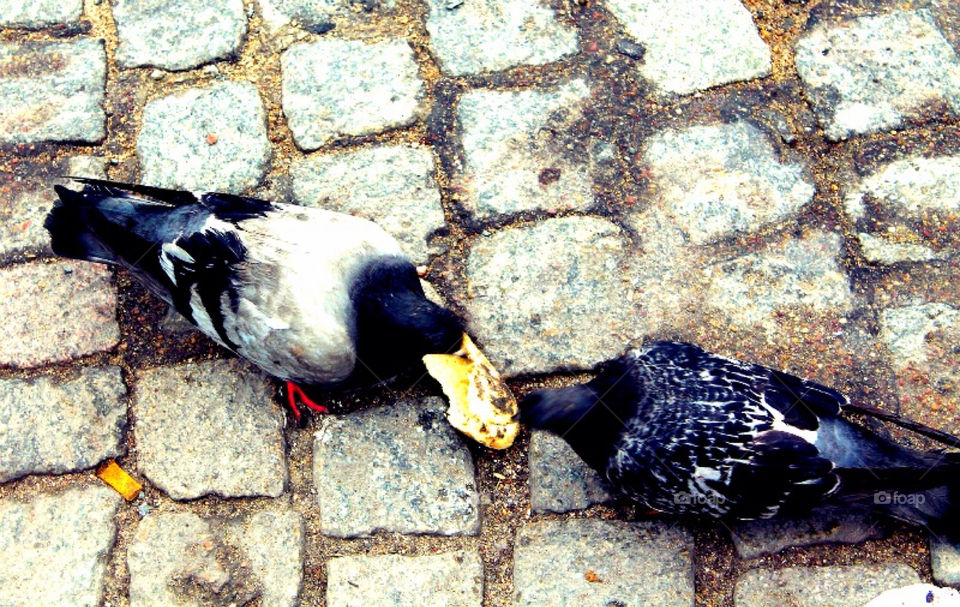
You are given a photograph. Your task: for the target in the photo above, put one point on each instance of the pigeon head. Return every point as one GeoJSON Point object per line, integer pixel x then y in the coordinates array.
{"type": "Point", "coordinates": [396, 325]}
{"type": "Point", "coordinates": [557, 410]}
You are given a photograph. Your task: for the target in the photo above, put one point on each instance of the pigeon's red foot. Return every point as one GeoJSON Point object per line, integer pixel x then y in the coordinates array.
{"type": "Point", "coordinates": [295, 393]}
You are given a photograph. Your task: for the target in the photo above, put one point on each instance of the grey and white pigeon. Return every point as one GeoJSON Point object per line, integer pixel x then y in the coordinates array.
{"type": "Point", "coordinates": [680, 430]}
{"type": "Point", "coordinates": [311, 296]}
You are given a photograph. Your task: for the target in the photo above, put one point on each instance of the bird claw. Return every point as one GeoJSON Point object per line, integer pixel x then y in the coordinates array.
{"type": "Point", "coordinates": [295, 393]}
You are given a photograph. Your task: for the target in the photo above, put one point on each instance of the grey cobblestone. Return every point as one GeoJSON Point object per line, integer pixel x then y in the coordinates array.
{"type": "Point", "coordinates": [454, 579]}
{"type": "Point", "coordinates": [183, 559]}
{"type": "Point", "coordinates": [49, 426]}
{"type": "Point", "coordinates": [559, 480]}
{"type": "Point", "coordinates": [55, 312]}
{"type": "Point", "coordinates": [37, 14]}
{"type": "Point", "coordinates": [54, 547]}
{"type": "Point", "coordinates": [563, 307]}
{"type": "Point", "coordinates": [800, 273]}
{"type": "Point", "coordinates": [52, 91]}
{"type": "Point", "coordinates": [209, 428]}
{"type": "Point", "coordinates": [337, 88]}
{"type": "Point", "coordinates": [873, 73]}
{"type": "Point", "coordinates": [513, 156]}
{"type": "Point", "coordinates": [945, 561]}
{"type": "Point", "coordinates": [400, 468]}
{"type": "Point", "coordinates": [921, 339]}
{"type": "Point", "coordinates": [827, 524]}
{"type": "Point", "coordinates": [840, 586]}
{"type": "Point", "coordinates": [589, 562]}
{"type": "Point", "coordinates": [492, 35]}
{"type": "Point", "coordinates": [177, 34]}
{"type": "Point", "coordinates": [392, 185]}
{"type": "Point", "coordinates": [692, 45]}
{"type": "Point", "coordinates": [902, 212]}
{"type": "Point", "coordinates": [718, 180]}
{"type": "Point", "coordinates": [212, 138]}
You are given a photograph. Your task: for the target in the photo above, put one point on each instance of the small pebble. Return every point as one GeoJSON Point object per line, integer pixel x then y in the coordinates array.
{"type": "Point", "coordinates": [156, 74]}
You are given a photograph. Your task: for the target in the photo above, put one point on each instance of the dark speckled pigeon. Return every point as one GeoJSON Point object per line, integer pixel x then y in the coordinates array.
{"type": "Point", "coordinates": [683, 431]}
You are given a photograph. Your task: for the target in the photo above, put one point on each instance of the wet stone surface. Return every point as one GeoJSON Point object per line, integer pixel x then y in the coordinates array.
{"type": "Point", "coordinates": [336, 88]}
{"type": "Point", "coordinates": [54, 547]}
{"type": "Point", "coordinates": [591, 562]}
{"type": "Point", "coordinates": [399, 468]}
{"type": "Point", "coordinates": [36, 14]}
{"type": "Point", "coordinates": [211, 138]}
{"type": "Point", "coordinates": [873, 73]}
{"type": "Point", "coordinates": [492, 35]}
{"type": "Point", "coordinates": [564, 306]}
{"type": "Point", "coordinates": [907, 210]}
{"type": "Point", "coordinates": [52, 91]}
{"type": "Point", "coordinates": [841, 586]}
{"type": "Point", "coordinates": [55, 312]}
{"type": "Point", "coordinates": [454, 579]}
{"type": "Point", "coordinates": [827, 524]}
{"type": "Point", "coordinates": [184, 559]}
{"type": "Point", "coordinates": [559, 480]}
{"type": "Point", "coordinates": [209, 428]}
{"type": "Point", "coordinates": [718, 180]}
{"type": "Point", "coordinates": [691, 45]}
{"type": "Point", "coordinates": [514, 159]}
{"type": "Point", "coordinates": [50, 426]}
{"type": "Point", "coordinates": [177, 34]}
{"type": "Point", "coordinates": [394, 186]}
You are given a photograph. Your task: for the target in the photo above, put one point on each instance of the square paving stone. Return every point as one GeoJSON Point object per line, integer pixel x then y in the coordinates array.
{"type": "Point", "coordinates": [454, 579]}
{"type": "Point", "coordinates": [211, 138]}
{"type": "Point", "coordinates": [720, 179]}
{"type": "Point", "coordinates": [53, 426]}
{"type": "Point", "coordinates": [183, 559]}
{"type": "Point", "coordinates": [491, 35]}
{"type": "Point", "coordinates": [56, 311]}
{"type": "Point", "coordinates": [873, 73]}
{"type": "Point", "coordinates": [559, 480]}
{"type": "Point", "coordinates": [826, 524]}
{"type": "Point", "coordinates": [513, 152]}
{"type": "Point", "coordinates": [552, 295]}
{"type": "Point", "coordinates": [945, 561]}
{"type": "Point", "coordinates": [37, 14]}
{"type": "Point", "coordinates": [587, 562]}
{"type": "Point", "coordinates": [922, 340]}
{"type": "Point", "coordinates": [399, 468]}
{"type": "Point", "coordinates": [52, 91]}
{"type": "Point", "coordinates": [177, 34]}
{"type": "Point", "coordinates": [841, 586]}
{"type": "Point", "coordinates": [209, 428]}
{"type": "Point", "coordinates": [694, 44]}
{"type": "Point", "coordinates": [903, 211]}
{"type": "Point", "coordinates": [337, 88]}
{"type": "Point", "coordinates": [394, 186]}
{"type": "Point", "coordinates": [799, 273]}
{"type": "Point", "coordinates": [54, 547]}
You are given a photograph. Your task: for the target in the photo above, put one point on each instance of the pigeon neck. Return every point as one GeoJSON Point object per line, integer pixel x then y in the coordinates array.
{"type": "Point", "coordinates": [584, 418]}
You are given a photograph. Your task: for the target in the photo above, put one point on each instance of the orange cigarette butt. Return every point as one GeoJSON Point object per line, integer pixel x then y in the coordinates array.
{"type": "Point", "coordinates": [116, 477]}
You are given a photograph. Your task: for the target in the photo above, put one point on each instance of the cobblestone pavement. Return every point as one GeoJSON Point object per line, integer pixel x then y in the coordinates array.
{"type": "Point", "coordinates": [775, 180]}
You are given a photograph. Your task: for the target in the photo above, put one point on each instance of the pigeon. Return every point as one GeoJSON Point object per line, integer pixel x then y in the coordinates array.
{"type": "Point", "coordinates": [682, 431]}
{"type": "Point", "coordinates": [311, 296]}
